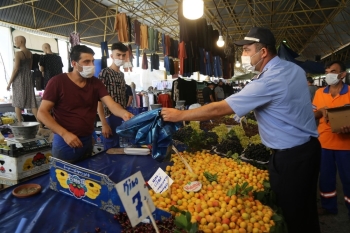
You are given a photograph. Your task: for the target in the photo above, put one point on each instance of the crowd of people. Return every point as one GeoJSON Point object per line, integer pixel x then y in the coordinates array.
{"type": "Point", "coordinates": [286, 109]}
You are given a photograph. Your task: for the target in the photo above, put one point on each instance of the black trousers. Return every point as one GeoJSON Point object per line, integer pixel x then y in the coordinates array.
{"type": "Point", "coordinates": [293, 177]}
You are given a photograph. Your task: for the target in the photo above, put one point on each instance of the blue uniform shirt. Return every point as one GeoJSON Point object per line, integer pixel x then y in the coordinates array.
{"type": "Point", "coordinates": [281, 102]}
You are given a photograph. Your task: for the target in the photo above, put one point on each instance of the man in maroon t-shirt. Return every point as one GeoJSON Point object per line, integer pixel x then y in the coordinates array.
{"type": "Point", "coordinates": [73, 99]}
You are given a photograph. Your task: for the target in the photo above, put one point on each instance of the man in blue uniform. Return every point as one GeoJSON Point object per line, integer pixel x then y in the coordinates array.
{"type": "Point", "coordinates": [282, 106]}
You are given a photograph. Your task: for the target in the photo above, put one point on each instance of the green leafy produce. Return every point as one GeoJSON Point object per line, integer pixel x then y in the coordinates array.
{"type": "Point", "coordinates": [210, 177]}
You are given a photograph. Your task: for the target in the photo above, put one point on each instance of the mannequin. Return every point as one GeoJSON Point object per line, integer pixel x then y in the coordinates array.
{"type": "Point", "coordinates": [50, 63]}
{"type": "Point", "coordinates": [22, 85]}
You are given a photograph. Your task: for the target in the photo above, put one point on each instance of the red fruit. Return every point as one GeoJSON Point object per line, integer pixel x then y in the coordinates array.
{"type": "Point", "coordinates": [81, 192]}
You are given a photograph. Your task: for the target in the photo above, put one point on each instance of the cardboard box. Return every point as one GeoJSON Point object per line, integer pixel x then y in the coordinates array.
{"type": "Point", "coordinates": [89, 186]}
{"type": "Point", "coordinates": [17, 168]}
{"type": "Point", "coordinates": [338, 117]}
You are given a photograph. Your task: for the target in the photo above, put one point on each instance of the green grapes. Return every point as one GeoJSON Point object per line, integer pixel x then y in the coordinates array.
{"type": "Point", "coordinates": [255, 139]}
{"type": "Point", "coordinates": [221, 131]}
{"type": "Point", "coordinates": [241, 135]}
{"type": "Point", "coordinates": [195, 125]}
{"type": "Point", "coordinates": [250, 121]}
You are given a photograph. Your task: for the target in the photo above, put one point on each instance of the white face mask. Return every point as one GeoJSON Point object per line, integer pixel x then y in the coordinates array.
{"type": "Point", "coordinates": [118, 62]}
{"type": "Point", "coordinates": [332, 79]}
{"type": "Point", "coordinates": [88, 71]}
{"type": "Point", "coordinates": [246, 62]}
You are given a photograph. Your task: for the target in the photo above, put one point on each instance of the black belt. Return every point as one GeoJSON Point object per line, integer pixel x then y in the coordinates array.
{"type": "Point", "coordinates": [282, 150]}
{"type": "Point", "coordinates": [279, 150]}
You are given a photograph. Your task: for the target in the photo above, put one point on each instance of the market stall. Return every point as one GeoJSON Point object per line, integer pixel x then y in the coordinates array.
{"type": "Point", "coordinates": [55, 212]}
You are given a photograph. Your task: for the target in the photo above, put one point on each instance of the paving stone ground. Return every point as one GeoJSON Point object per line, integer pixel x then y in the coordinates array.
{"type": "Point", "coordinates": [339, 223]}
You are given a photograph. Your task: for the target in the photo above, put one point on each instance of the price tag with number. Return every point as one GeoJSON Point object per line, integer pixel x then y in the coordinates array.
{"type": "Point", "coordinates": [134, 195]}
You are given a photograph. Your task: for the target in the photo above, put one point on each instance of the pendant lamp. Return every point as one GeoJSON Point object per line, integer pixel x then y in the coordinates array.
{"type": "Point", "coordinates": [220, 42]}
{"type": "Point", "coordinates": [192, 9]}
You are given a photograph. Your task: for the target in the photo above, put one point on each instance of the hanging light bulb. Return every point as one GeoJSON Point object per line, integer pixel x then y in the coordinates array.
{"type": "Point", "coordinates": [192, 9]}
{"type": "Point", "coordinates": [220, 42]}
{"type": "Point", "coordinates": [238, 64]}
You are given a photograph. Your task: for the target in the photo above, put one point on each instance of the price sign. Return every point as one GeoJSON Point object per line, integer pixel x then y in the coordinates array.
{"type": "Point", "coordinates": [135, 196]}
{"type": "Point", "coordinates": [160, 181]}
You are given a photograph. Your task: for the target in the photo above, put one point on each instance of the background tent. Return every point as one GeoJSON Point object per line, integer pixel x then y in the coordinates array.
{"type": "Point", "coordinates": [311, 67]}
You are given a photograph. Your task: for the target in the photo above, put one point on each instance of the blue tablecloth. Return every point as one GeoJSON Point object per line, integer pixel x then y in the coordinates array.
{"type": "Point", "coordinates": [51, 211]}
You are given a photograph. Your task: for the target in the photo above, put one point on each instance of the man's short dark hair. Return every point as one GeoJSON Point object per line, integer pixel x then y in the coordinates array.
{"type": "Point", "coordinates": [119, 46]}
{"type": "Point", "coordinates": [340, 63]}
{"type": "Point", "coordinates": [271, 48]}
{"type": "Point", "coordinates": [310, 80]}
{"type": "Point", "coordinates": [77, 50]}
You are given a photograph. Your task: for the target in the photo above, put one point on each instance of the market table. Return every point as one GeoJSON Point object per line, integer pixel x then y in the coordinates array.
{"type": "Point", "coordinates": [51, 211]}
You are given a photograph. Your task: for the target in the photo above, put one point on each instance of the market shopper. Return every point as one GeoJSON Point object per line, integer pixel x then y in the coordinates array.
{"type": "Point", "coordinates": [335, 146]}
{"type": "Point", "coordinates": [286, 124]}
{"type": "Point", "coordinates": [208, 93]}
{"type": "Point", "coordinates": [219, 91]}
{"type": "Point", "coordinates": [312, 87]}
{"type": "Point", "coordinates": [72, 97]}
{"type": "Point", "coordinates": [113, 79]}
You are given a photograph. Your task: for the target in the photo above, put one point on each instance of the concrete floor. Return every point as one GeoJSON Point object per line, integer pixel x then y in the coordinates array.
{"type": "Point", "coordinates": [339, 223]}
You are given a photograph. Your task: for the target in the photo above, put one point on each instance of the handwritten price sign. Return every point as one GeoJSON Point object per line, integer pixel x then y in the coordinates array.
{"type": "Point", "coordinates": [160, 181]}
{"type": "Point", "coordinates": [134, 196]}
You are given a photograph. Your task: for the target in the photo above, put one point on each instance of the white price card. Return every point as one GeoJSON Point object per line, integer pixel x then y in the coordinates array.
{"type": "Point", "coordinates": [134, 195]}
{"type": "Point", "coordinates": [160, 181]}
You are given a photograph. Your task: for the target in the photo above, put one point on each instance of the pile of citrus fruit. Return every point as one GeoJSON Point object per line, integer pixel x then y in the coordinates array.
{"type": "Point", "coordinates": [211, 207]}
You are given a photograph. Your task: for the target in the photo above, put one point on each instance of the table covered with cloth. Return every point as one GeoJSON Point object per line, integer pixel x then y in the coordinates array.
{"type": "Point", "coordinates": [51, 211]}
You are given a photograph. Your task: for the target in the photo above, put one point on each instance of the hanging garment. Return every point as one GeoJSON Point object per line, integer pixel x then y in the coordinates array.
{"type": "Point", "coordinates": [137, 29]}
{"type": "Point", "coordinates": [166, 64]}
{"type": "Point", "coordinates": [167, 45]}
{"type": "Point", "coordinates": [137, 56]}
{"type": "Point", "coordinates": [144, 36]}
{"type": "Point", "coordinates": [144, 62]}
{"type": "Point", "coordinates": [121, 26]}
{"type": "Point", "coordinates": [163, 44]}
{"type": "Point", "coordinates": [156, 40]}
{"type": "Point", "coordinates": [74, 39]}
{"type": "Point", "coordinates": [217, 67]}
{"type": "Point", "coordinates": [182, 56]}
{"type": "Point", "coordinates": [154, 61]}
{"type": "Point", "coordinates": [104, 49]}
{"type": "Point", "coordinates": [151, 39]}
{"type": "Point", "coordinates": [176, 67]}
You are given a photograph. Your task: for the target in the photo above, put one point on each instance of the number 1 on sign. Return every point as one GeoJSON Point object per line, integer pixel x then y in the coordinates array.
{"type": "Point", "coordinates": [137, 197]}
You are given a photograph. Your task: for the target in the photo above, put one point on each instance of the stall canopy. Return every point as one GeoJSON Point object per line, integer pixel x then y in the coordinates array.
{"type": "Point", "coordinates": [310, 67]}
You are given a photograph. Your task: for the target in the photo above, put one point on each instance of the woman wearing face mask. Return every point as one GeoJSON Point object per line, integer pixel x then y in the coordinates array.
{"type": "Point", "coordinates": [113, 79]}
{"type": "Point", "coordinates": [72, 98]}
{"type": "Point", "coordinates": [335, 146]}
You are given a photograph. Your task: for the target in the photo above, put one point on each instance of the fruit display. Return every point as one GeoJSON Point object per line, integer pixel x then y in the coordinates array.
{"type": "Point", "coordinates": [195, 138]}
{"type": "Point", "coordinates": [225, 203]}
{"type": "Point", "coordinates": [233, 144]}
{"type": "Point", "coordinates": [257, 152]}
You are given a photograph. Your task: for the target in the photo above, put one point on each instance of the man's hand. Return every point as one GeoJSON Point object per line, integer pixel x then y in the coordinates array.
{"type": "Point", "coordinates": [106, 131]}
{"type": "Point", "coordinates": [72, 140]}
{"type": "Point", "coordinates": [345, 129]}
{"type": "Point", "coordinates": [8, 87]}
{"type": "Point", "coordinates": [171, 114]}
{"type": "Point", "coordinates": [322, 112]}
{"type": "Point", "coordinates": [127, 115]}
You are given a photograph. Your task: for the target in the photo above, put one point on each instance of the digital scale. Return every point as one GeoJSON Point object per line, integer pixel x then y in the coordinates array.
{"type": "Point", "coordinates": [18, 147]}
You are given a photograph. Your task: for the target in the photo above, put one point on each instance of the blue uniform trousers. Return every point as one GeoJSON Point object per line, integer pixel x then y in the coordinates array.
{"type": "Point", "coordinates": [332, 160]}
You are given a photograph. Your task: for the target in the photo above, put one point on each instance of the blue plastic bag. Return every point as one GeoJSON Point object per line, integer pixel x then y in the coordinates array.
{"type": "Point", "coordinates": [149, 128]}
